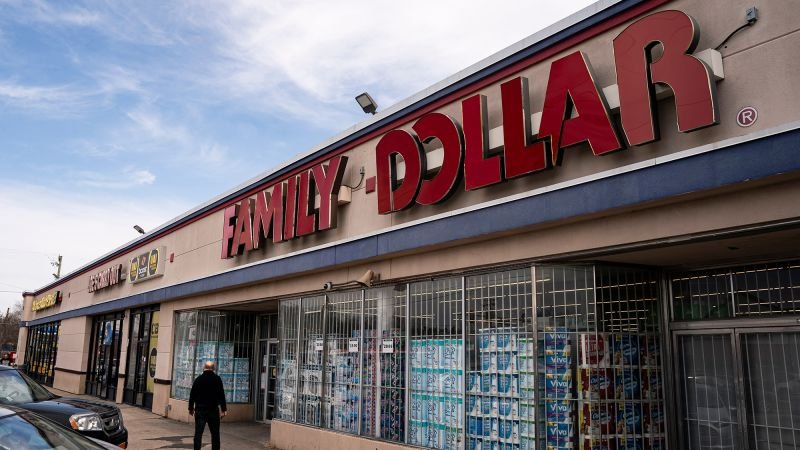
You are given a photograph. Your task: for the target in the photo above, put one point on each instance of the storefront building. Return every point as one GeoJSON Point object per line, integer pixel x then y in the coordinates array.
{"type": "Point", "coordinates": [589, 240]}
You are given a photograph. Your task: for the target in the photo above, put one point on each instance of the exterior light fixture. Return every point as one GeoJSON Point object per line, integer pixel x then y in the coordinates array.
{"type": "Point", "coordinates": [363, 281]}
{"type": "Point", "coordinates": [139, 229]}
{"type": "Point", "coordinates": [366, 103]}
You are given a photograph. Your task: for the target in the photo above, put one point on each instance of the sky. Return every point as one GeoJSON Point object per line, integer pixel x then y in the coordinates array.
{"type": "Point", "coordinates": [119, 113]}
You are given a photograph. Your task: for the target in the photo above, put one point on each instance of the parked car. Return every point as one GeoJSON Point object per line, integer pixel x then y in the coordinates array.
{"type": "Point", "coordinates": [22, 429]}
{"type": "Point", "coordinates": [92, 418]}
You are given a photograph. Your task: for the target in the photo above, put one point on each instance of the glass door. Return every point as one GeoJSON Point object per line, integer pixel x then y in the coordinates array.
{"type": "Point", "coordinates": [101, 378]}
{"type": "Point", "coordinates": [771, 366]}
{"type": "Point", "coordinates": [267, 363]}
{"type": "Point", "coordinates": [707, 377]}
{"type": "Point", "coordinates": [739, 388]}
{"type": "Point", "coordinates": [142, 351]}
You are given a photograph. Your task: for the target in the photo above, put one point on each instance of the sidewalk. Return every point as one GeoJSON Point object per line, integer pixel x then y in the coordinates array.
{"type": "Point", "coordinates": [151, 431]}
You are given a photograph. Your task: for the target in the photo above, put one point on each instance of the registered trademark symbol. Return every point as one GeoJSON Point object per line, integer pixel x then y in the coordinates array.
{"type": "Point", "coordinates": [746, 116]}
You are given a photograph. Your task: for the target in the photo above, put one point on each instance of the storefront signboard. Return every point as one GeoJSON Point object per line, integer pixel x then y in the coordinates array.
{"type": "Point", "coordinates": [46, 301]}
{"type": "Point", "coordinates": [286, 210]}
{"type": "Point", "coordinates": [147, 265]}
{"type": "Point", "coordinates": [106, 278]}
{"type": "Point", "coordinates": [575, 111]}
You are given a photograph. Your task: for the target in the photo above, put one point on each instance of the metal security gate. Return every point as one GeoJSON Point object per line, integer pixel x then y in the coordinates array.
{"type": "Point", "coordinates": [739, 387]}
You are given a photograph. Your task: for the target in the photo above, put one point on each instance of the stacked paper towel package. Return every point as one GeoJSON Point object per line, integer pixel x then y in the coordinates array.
{"type": "Point", "coordinates": [234, 372]}
{"type": "Point", "coordinates": [621, 395]}
{"type": "Point", "coordinates": [500, 387]}
{"type": "Point", "coordinates": [558, 388]}
{"type": "Point", "coordinates": [437, 405]}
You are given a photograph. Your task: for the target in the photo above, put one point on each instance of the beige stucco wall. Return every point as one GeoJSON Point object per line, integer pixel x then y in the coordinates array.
{"type": "Point", "coordinates": [73, 343]}
{"type": "Point", "coordinates": [22, 340]}
{"type": "Point", "coordinates": [69, 382]}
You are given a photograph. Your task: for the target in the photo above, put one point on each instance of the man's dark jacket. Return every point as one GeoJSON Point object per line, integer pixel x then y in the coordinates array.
{"type": "Point", "coordinates": [207, 392]}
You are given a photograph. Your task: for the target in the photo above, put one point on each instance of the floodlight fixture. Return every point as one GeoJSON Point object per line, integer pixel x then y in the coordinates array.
{"type": "Point", "coordinates": [366, 103]}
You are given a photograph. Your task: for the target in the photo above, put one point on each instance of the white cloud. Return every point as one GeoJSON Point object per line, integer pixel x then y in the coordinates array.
{"type": "Point", "coordinates": [50, 99]}
{"type": "Point", "coordinates": [58, 14]}
{"type": "Point", "coordinates": [40, 223]}
{"type": "Point", "coordinates": [129, 177]}
{"type": "Point", "coordinates": [168, 142]}
{"type": "Point", "coordinates": [114, 79]}
{"type": "Point", "coordinates": [69, 99]}
{"type": "Point", "coordinates": [310, 58]}
{"type": "Point", "coordinates": [152, 124]}
{"type": "Point", "coordinates": [303, 58]}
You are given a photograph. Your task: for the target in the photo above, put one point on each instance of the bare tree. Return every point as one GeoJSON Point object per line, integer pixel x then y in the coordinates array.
{"type": "Point", "coordinates": [9, 327]}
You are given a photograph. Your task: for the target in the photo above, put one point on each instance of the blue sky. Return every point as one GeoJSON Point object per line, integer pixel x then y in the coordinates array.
{"type": "Point", "coordinates": [120, 113]}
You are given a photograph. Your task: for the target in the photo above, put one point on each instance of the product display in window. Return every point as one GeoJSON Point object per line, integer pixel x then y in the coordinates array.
{"type": "Point", "coordinates": [557, 352]}
{"type": "Point", "coordinates": [500, 401]}
{"type": "Point", "coordinates": [601, 356]}
{"type": "Point", "coordinates": [620, 391]}
{"type": "Point", "coordinates": [385, 364]}
{"type": "Point", "coordinates": [342, 380]}
{"type": "Point", "coordinates": [437, 402]}
{"type": "Point", "coordinates": [232, 357]}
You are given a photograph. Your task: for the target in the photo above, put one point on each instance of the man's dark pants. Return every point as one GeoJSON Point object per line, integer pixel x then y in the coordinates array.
{"type": "Point", "coordinates": [211, 417]}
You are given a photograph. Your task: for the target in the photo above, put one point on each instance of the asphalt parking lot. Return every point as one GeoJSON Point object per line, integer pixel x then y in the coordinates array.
{"type": "Point", "coordinates": [150, 431]}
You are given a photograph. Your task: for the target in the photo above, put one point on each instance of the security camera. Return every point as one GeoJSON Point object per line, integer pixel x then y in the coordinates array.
{"type": "Point", "coordinates": [328, 286]}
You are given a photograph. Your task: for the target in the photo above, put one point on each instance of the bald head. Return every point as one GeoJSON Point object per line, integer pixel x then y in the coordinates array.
{"type": "Point", "coordinates": [209, 365]}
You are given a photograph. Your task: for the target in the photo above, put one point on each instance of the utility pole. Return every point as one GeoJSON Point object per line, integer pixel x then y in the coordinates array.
{"type": "Point", "coordinates": [57, 265]}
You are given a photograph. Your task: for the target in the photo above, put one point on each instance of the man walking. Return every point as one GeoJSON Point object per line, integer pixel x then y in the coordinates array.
{"type": "Point", "coordinates": [209, 397]}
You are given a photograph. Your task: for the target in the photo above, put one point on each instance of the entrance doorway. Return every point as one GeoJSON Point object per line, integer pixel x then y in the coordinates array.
{"type": "Point", "coordinates": [142, 351]}
{"type": "Point", "coordinates": [739, 387]}
{"type": "Point", "coordinates": [268, 345]}
{"type": "Point", "coordinates": [101, 376]}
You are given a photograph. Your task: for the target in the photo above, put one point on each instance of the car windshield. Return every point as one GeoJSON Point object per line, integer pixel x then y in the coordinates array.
{"type": "Point", "coordinates": [27, 431]}
{"type": "Point", "coordinates": [16, 388]}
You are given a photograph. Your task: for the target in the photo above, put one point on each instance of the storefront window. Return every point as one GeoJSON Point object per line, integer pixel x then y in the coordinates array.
{"type": "Point", "coordinates": [288, 328]}
{"type": "Point", "coordinates": [225, 338]}
{"type": "Point", "coordinates": [342, 386]}
{"type": "Point", "coordinates": [312, 343]}
{"type": "Point", "coordinates": [104, 353]}
{"type": "Point", "coordinates": [757, 290]}
{"type": "Point", "coordinates": [436, 352]}
{"type": "Point", "coordinates": [40, 352]}
{"type": "Point", "coordinates": [384, 376]}
{"type": "Point", "coordinates": [599, 358]}
{"type": "Point", "coordinates": [501, 362]}
{"type": "Point", "coordinates": [493, 360]}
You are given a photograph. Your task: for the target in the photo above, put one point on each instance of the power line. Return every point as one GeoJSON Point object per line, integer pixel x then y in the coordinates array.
{"type": "Point", "coordinates": [12, 292]}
